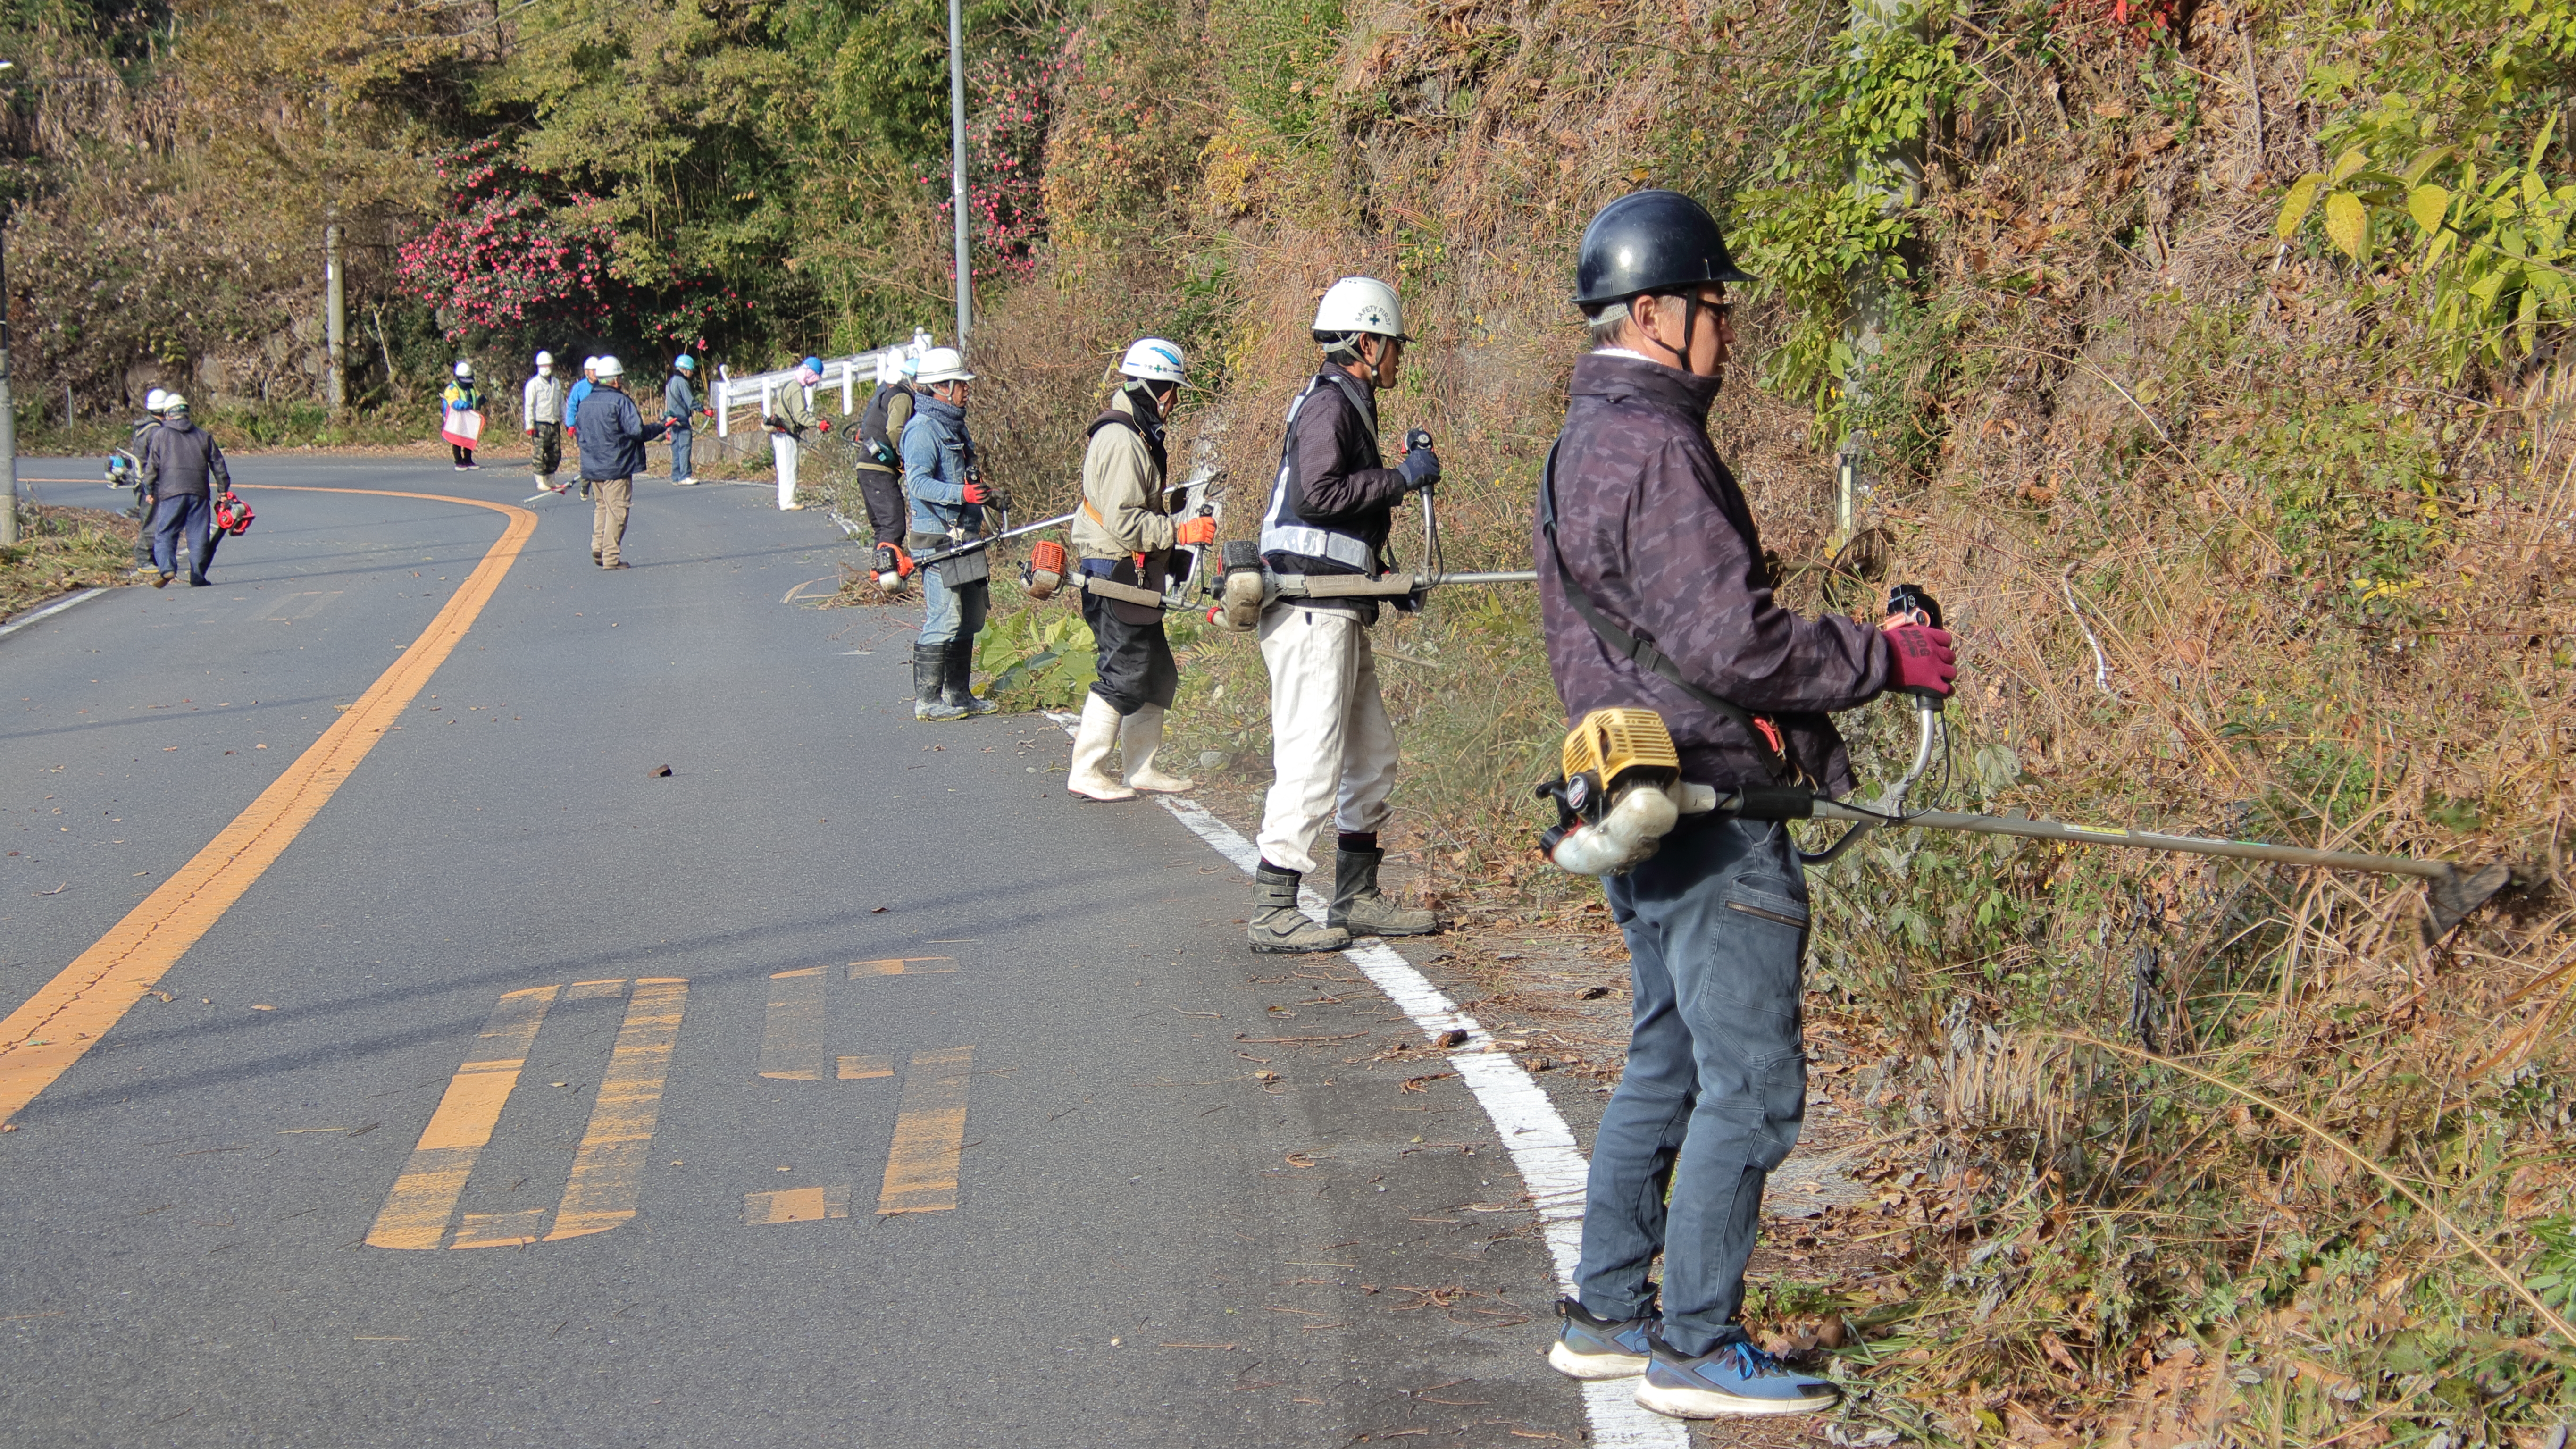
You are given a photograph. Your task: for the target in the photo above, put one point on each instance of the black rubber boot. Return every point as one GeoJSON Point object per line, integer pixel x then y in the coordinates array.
{"type": "Point", "coordinates": [1360, 910]}
{"type": "Point", "coordinates": [961, 675]}
{"type": "Point", "coordinates": [1278, 927]}
{"type": "Point", "coordinates": [929, 674]}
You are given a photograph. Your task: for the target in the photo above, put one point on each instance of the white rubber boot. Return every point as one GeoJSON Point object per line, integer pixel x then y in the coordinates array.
{"type": "Point", "coordinates": [1140, 738]}
{"type": "Point", "coordinates": [1091, 745]}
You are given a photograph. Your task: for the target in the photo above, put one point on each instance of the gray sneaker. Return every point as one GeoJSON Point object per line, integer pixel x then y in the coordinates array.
{"type": "Point", "coordinates": [1730, 1380]}
{"type": "Point", "coordinates": [1598, 1348]}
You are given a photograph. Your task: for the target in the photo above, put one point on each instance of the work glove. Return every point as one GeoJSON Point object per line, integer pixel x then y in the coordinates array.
{"type": "Point", "coordinates": [824, 423]}
{"type": "Point", "coordinates": [1421, 468]}
{"type": "Point", "coordinates": [1195, 531]}
{"type": "Point", "coordinates": [977, 493]}
{"type": "Point", "coordinates": [1922, 659]}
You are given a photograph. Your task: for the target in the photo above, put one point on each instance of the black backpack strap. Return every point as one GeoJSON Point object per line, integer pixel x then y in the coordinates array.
{"type": "Point", "coordinates": [1640, 650]}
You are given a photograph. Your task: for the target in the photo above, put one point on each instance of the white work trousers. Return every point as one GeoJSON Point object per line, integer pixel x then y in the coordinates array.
{"type": "Point", "coordinates": [783, 447]}
{"type": "Point", "coordinates": [1333, 751]}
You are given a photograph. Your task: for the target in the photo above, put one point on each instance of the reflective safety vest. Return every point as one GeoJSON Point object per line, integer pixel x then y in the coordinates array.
{"type": "Point", "coordinates": [1292, 542]}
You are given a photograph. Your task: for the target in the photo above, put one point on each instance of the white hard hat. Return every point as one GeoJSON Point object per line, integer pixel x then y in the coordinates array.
{"type": "Point", "coordinates": [155, 400]}
{"type": "Point", "coordinates": [590, 364]}
{"type": "Point", "coordinates": [944, 364]}
{"type": "Point", "coordinates": [172, 402]}
{"type": "Point", "coordinates": [889, 369]}
{"type": "Point", "coordinates": [1152, 359]}
{"type": "Point", "coordinates": [1359, 304]}
{"type": "Point", "coordinates": [608, 367]}
{"type": "Point", "coordinates": [545, 359]}
{"type": "Point", "coordinates": [465, 369]}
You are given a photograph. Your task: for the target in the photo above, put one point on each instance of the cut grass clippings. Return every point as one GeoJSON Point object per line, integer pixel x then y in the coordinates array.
{"type": "Point", "coordinates": [61, 549]}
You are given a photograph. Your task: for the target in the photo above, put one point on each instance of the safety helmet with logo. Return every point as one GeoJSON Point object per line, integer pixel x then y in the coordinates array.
{"type": "Point", "coordinates": [944, 364]}
{"type": "Point", "coordinates": [1650, 241]}
{"type": "Point", "coordinates": [685, 363]}
{"type": "Point", "coordinates": [174, 403]}
{"type": "Point", "coordinates": [608, 367]}
{"type": "Point", "coordinates": [464, 369]}
{"type": "Point", "coordinates": [545, 359]}
{"type": "Point", "coordinates": [1355, 305]}
{"type": "Point", "coordinates": [1152, 359]}
{"type": "Point", "coordinates": [154, 401]}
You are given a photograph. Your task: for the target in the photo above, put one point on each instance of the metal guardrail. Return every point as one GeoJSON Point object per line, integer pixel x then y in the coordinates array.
{"type": "Point", "coordinates": [847, 374]}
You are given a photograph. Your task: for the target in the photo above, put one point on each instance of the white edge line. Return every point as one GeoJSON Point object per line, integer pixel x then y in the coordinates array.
{"type": "Point", "coordinates": [1532, 1130]}
{"type": "Point", "coordinates": [56, 607]}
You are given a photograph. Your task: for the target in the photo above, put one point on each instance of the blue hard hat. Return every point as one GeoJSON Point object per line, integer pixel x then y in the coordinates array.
{"type": "Point", "coordinates": [686, 363]}
{"type": "Point", "coordinates": [813, 365]}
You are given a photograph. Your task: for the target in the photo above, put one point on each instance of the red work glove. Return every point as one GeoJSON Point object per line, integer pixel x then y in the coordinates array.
{"type": "Point", "coordinates": [824, 423]}
{"type": "Point", "coordinates": [1196, 530]}
{"type": "Point", "coordinates": [1922, 658]}
{"type": "Point", "coordinates": [978, 493]}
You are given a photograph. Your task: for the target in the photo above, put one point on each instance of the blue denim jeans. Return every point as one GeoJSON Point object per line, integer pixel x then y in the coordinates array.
{"type": "Point", "coordinates": [951, 613]}
{"type": "Point", "coordinates": [1716, 1082]}
{"type": "Point", "coordinates": [682, 442]}
{"type": "Point", "coordinates": [183, 521]}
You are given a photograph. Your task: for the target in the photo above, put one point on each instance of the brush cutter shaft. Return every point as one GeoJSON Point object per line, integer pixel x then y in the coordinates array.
{"type": "Point", "coordinates": [2152, 840]}
{"type": "Point", "coordinates": [974, 545]}
{"type": "Point", "coordinates": [1523, 576]}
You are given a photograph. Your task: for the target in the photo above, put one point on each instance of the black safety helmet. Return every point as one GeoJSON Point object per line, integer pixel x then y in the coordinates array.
{"type": "Point", "coordinates": [1650, 241]}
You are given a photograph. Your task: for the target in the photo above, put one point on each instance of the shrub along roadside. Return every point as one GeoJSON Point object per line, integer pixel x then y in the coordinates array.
{"type": "Point", "coordinates": [62, 549]}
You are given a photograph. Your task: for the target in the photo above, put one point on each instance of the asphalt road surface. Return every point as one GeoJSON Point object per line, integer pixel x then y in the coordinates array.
{"type": "Point", "coordinates": [437, 1070]}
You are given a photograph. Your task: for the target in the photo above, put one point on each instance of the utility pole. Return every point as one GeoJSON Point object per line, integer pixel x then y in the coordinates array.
{"type": "Point", "coordinates": [957, 163]}
{"type": "Point", "coordinates": [1892, 179]}
{"type": "Point", "coordinates": [335, 315]}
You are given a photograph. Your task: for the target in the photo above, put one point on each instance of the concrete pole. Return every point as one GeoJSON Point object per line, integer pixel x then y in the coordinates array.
{"type": "Point", "coordinates": [957, 163]}
{"type": "Point", "coordinates": [335, 315]}
{"type": "Point", "coordinates": [1893, 179]}
{"type": "Point", "coordinates": [8, 407]}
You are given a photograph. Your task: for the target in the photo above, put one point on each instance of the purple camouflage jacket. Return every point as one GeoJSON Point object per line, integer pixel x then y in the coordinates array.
{"type": "Point", "coordinates": [1659, 536]}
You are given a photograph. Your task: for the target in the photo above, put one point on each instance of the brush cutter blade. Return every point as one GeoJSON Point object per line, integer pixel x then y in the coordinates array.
{"type": "Point", "coordinates": [2450, 900]}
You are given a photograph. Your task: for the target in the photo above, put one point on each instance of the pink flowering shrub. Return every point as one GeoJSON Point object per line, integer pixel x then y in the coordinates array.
{"type": "Point", "coordinates": [1009, 105]}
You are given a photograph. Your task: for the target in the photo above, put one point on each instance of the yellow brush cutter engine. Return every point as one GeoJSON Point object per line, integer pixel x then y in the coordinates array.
{"type": "Point", "coordinates": [1620, 793]}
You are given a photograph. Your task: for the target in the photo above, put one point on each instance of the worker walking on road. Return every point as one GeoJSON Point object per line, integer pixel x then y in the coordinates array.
{"type": "Point", "coordinates": [791, 416]}
{"type": "Point", "coordinates": [613, 435]}
{"type": "Point", "coordinates": [1334, 750]}
{"type": "Point", "coordinates": [141, 509]}
{"type": "Point", "coordinates": [679, 414]}
{"type": "Point", "coordinates": [460, 409]}
{"type": "Point", "coordinates": [949, 496]}
{"type": "Point", "coordinates": [1124, 534]}
{"type": "Point", "coordinates": [881, 426]}
{"type": "Point", "coordinates": [183, 470]}
{"type": "Point", "coordinates": [1644, 536]}
{"type": "Point", "coordinates": [541, 417]}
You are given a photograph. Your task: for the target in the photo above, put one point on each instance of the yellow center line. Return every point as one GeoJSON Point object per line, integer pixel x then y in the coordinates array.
{"type": "Point", "coordinates": [791, 1039]}
{"type": "Point", "coordinates": [42, 1038]}
{"type": "Point", "coordinates": [423, 1199]}
{"type": "Point", "coordinates": [608, 1170]}
{"type": "Point", "coordinates": [929, 1134]}
{"type": "Point", "coordinates": [903, 966]}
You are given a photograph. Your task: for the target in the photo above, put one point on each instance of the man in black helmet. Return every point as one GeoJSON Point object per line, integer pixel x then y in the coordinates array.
{"type": "Point", "coordinates": [1652, 587]}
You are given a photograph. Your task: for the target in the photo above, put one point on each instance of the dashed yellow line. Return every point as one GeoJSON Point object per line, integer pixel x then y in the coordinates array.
{"type": "Point", "coordinates": [796, 1205]}
{"type": "Point", "coordinates": [903, 966]}
{"type": "Point", "coordinates": [929, 1133]}
{"type": "Point", "coordinates": [42, 1038]}
{"type": "Point", "coordinates": [608, 1170]}
{"type": "Point", "coordinates": [860, 1069]}
{"type": "Point", "coordinates": [416, 1212]}
{"type": "Point", "coordinates": [791, 1038]}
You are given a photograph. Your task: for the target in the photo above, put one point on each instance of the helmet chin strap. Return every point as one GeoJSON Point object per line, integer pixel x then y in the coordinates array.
{"type": "Point", "coordinates": [1690, 326]}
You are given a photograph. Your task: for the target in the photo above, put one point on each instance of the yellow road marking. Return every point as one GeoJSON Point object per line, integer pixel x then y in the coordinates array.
{"type": "Point", "coordinates": [796, 1205]}
{"type": "Point", "coordinates": [42, 1038]}
{"type": "Point", "coordinates": [500, 1230]}
{"type": "Point", "coordinates": [902, 966]}
{"type": "Point", "coordinates": [423, 1199]}
{"type": "Point", "coordinates": [608, 1170]}
{"type": "Point", "coordinates": [929, 1133]}
{"type": "Point", "coordinates": [791, 1041]}
{"type": "Point", "coordinates": [860, 1069]}
{"type": "Point", "coordinates": [585, 990]}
